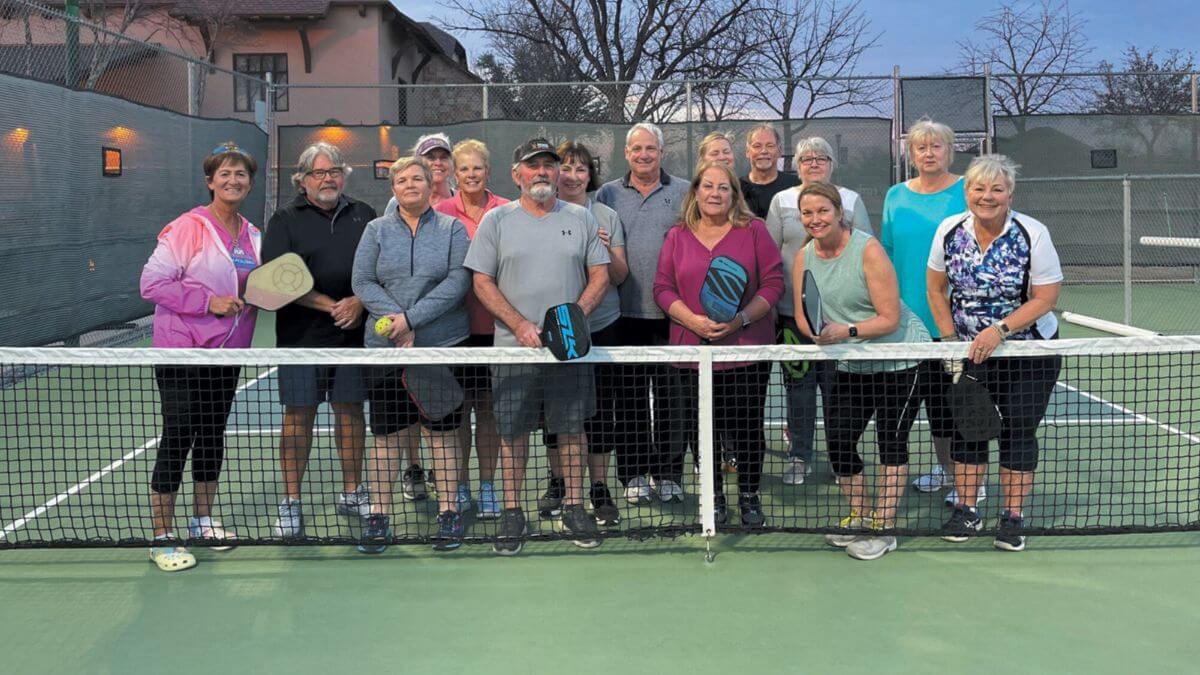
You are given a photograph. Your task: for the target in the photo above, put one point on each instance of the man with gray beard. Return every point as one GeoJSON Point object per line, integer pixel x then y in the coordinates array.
{"type": "Point", "coordinates": [527, 256]}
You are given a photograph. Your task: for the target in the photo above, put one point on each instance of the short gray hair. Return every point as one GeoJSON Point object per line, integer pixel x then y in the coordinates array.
{"type": "Point", "coordinates": [927, 129]}
{"type": "Point", "coordinates": [814, 144]}
{"type": "Point", "coordinates": [649, 128]}
{"type": "Point", "coordinates": [757, 128]}
{"type": "Point", "coordinates": [405, 163]}
{"type": "Point", "coordinates": [309, 157]}
{"type": "Point", "coordinates": [987, 168]}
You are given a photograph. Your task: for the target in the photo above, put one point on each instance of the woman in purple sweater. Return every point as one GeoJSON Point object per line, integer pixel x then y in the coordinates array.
{"type": "Point", "coordinates": [717, 222]}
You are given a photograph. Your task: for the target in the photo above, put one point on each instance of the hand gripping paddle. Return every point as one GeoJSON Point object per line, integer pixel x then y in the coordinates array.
{"type": "Point", "coordinates": [565, 332]}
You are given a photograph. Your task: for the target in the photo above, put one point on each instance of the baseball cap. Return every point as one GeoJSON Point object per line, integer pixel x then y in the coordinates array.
{"type": "Point", "coordinates": [432, 143]}
{"type": "Point", "coordinates": [534, 147]}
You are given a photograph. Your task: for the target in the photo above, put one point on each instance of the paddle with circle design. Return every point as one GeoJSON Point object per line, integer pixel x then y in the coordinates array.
{"type": "Point", "coordinates": [277, 283]}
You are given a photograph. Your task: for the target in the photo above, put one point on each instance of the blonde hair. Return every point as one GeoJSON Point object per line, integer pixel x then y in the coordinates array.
{"type": "Point", "coordinates": [405, 163]}
{"type": "Point", "coordinates": [739, 214]}
{"type": "Point", "coordinates": [471, 147]}
{"type": "Point", "coordinates": [830, 192]}
{"type": "Point", "coordinates": [707, 143]}
{"type": "Point", "coordinates": [926, 129]}
{"type": "Point", "coordinates": [987, 168]}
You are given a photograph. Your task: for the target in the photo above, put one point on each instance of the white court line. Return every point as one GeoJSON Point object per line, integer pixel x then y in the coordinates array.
{"type": "Point", "coordinates": [113, 466]}
{"type": "Point", "coordinates": [1137, 416]}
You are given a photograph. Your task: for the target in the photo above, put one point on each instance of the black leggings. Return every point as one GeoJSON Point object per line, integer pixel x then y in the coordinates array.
{"type": "Point", "coordinates": [1020, 388]}
{"type": "Point", "coordinates": [892, 398]}
{"type": "Point", "coordinates": [195, 409]}
{"type": "Point", "coordinates": [739, 395]}
{"type": "Point", "coordinates": [643, 447]}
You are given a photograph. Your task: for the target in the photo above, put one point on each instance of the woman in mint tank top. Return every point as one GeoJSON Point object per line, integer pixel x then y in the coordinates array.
{"type": "Point", "coordinates": [861, 303]}
{"type": "Point", "coordinates": [912, 212]}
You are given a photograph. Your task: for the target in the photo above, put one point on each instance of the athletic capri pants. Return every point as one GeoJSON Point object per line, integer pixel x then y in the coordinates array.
{"type": "Point", "coordinates": [1020, 388]}
{"type": "Point", "coordinates": [891, 397]}
{"type": "Point", "coordinates": [195, 404]}
{"type": "Point", "coordinates": [932, 390]}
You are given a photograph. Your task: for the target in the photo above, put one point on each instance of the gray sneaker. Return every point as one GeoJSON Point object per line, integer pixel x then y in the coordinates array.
{"type": "Point", "coordinates": [578, 522]}
{"type": "Point", "coordinates": [870, 547]}
{"type": "Point", "coordinates": [357, 503]}
{"type": "Point", "coordinates": [796, 471]}
{"type": "Point", "coordinates": [291, 519]}
{"type": "Point", "coordinates": [851, 522]}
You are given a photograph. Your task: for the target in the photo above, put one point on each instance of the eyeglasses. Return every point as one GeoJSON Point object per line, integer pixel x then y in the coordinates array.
{"type": "Point", "coordinates": [227, 147]}
{"type": "Point", "coordinates": [321, 174]}
{"type": "Point", "coordinates": [814, 161]}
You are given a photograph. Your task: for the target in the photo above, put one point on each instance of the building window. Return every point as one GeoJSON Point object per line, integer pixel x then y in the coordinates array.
{"type": "Point", "coordinates": [246, 92]}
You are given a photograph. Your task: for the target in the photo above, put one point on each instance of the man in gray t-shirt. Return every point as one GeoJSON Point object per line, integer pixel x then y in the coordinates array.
{"type": "Point", "coordinates": [528, 256]}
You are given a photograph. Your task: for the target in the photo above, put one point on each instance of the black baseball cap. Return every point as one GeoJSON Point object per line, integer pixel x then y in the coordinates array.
{"type": "Point", "coordinates": [534, 147]}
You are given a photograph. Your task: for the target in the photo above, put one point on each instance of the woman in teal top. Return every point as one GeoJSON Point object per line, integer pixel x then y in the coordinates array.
{"type": "Point", "coordinates": [859, 297]}
{"type": "Point", "coordinates": [912, 212]}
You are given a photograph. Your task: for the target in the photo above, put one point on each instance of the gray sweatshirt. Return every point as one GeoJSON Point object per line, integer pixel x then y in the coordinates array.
{"type": "Point", "coordinates": [420, 276]}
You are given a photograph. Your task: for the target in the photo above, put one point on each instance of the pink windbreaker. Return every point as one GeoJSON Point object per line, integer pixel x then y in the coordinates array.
{"type": "Point", "coordinates": [190, 265]}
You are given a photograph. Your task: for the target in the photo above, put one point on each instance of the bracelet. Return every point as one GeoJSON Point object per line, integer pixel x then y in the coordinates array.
{"type": "Point", "coordinates": [1000, 328]}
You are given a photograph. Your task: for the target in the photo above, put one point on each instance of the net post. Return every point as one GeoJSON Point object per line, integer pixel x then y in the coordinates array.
{"type": "Point", "coordinates": [1127, 244]}
{"type": "Point", "coordinates": [708, 519]}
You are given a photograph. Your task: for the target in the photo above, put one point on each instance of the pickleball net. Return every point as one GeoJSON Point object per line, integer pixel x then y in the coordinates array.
{"type": "Point", "coordinates": [81, 433]}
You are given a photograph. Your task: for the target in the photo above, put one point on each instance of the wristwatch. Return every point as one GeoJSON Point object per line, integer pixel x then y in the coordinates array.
{"type": "Point", "coordinates": [1003, 329]}
{"type": "Point", "coordinates": [853, 330]}
{"type": "Point", "coordinates": [745, 319]}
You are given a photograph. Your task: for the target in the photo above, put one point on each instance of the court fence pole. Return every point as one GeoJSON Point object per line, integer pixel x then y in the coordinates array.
{"type": "Point", "coordinates": [1195, 91]}
{"type": "Point", "coordinates": [708, 519]}
{"type": "Point", "coordinates": [272, 148]}
{"type": "Point", "coordinates": [484, 87]}
{"type": "Point", "coordinates": [1127, 225]}
{"type": "Point", "coordinates": [987, 109]}
{"type": "Point", "coordinates": [897, 126]}
{"type": "Point", "coordinates": [687, 94]}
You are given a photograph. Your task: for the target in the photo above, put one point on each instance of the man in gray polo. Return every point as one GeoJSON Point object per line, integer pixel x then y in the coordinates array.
{"type": "Point", "coordinates": [527, 256]}
{"type": "Point", "coordinates": [648, 200]}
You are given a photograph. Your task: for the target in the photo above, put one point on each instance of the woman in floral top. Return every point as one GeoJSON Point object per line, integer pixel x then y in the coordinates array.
{"type": "Point", "coordinates": [994, 276]}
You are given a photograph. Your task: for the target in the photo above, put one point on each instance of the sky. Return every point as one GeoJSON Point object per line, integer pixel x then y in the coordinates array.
{"type": "Point", "coordinates": [921, 37]}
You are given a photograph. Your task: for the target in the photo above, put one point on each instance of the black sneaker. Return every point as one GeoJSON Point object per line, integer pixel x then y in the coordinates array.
{"type": "Point", "coordinates": [550, 503]}
{"type": "Point", "coordinates": [579, 523]}
{"type": "Point", "coordinates": [412, 483]}
{"type": "Point", "coordinates": [376, 534]}
{"type": "Point", "coordinates": [449, 531]}
{"type": "Point", "coordinates": [962, 524]}
{"type": "Point", "coordinates": [1008, 533]}
{"type": "Point", "coordinates": [720, 509]}
{"type": "Point", "coordinates": [512, 528]}
{"type": "Point", "coordinates": [751, 508]}
{"type": "Point", "coordinates": [603, 506]}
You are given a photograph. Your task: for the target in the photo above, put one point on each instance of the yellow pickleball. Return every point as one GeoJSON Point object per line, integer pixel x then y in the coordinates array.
{"type": "Point", "coordinates": [383, 326]}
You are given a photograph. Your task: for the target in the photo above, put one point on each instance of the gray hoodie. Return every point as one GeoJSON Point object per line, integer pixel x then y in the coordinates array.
{"type": "Point", "coordinates": [421, 276]}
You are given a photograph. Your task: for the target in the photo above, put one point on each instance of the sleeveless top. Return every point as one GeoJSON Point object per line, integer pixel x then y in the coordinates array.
{"type": "Point", "coordinates": [842, 282]}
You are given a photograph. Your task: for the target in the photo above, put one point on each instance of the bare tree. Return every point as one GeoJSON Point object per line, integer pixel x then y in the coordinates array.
{"type": "Point", "coordinates": [217, 23]}
{"type": "Point", "coordinates": [109, 22]}
{"type": "Point", "coordinates": [611, 41]}
{"type": "Point", "coordinates": [811, 52]}
{"type": "Point", "coordinates": [528, 63]}
{"type": "Point", "coordinates": [1031, 49]}
{"type": "Point", "coordinates": [1148, 85]}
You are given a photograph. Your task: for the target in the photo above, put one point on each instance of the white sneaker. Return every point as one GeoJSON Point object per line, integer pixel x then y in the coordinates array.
{"type": "Point", "coordinates": [291, 519]}
{"type": "Point", "coordinates": [667, 490]}
{"type": "Point", "coordinates": [207, 528]}
{"type": "Point", "coordinates": [796, 471]}
{"type": "Point", "coordinates": [871, 547]}
{"type": "Point", "coordinates": [933, 481]}
{"type": "Point", "coordinates": [850, 522]}
{"type": "Point", "coordinates": [637, 490]}
{"type": "Point", "coordinates": [952, 496]}
{"type": "Point", "coordinates": [357, 503]}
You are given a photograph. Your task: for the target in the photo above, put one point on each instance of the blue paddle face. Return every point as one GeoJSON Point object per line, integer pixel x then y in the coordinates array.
{"type": "Point", "coordinates": [566, 333]}
{"type": "Point", "coordinates": [724, 284]}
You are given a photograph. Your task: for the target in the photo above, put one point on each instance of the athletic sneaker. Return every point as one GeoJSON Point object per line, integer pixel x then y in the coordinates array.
{"type": "Point", "coordinates": [720, 509]}
{"type": "Point", "coordinates": [1008, 533]}
{"type": "Point", "coordinates": [796, 471]}
{"type": "Point", "coordinates": [637, 490]}
{"type": "Point", "coordinates": [464, 500]}
{"type": "Point", "coordinates": [412, 484]}
{"type": "Point", "coordinates": [952, 496]}
{"type": "Point", "coordinates": [576, 521]}
{"type": "Point", "coordinates": [489, 506]}
{"type": "Point", "coordinates": [933, 481]}
{"type": "Point", "coordinates": [850, 522]}
{"type": "Point", "coordinates": [603, 506]}
{"type": "Point", "coordinates": [962, 524]}
{"type": "Point", "coordinates": [751, 507]}
{"type": "Point", "coordinates": [667, 490]}
{"type": "Point", "coordinates": [512, 528]}
{"type": "Point", "coordinates": [207, 528]}
{"type": "Point", "coordinates": [449, 531]}
{"type": "Point", "coordinates": [376, 534]}
{"type": "Point", "coordinates": [357, 503]}
{"type": "Point", "coordinates": [550, 503]}
{"type": "Point", "coordinates": [291, 519]}
{"type": "Point", "coordinates": [872, 546]}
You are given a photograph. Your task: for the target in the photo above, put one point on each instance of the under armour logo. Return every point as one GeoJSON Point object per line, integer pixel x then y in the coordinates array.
{"type": "Point", "coordinates": [566, 232]}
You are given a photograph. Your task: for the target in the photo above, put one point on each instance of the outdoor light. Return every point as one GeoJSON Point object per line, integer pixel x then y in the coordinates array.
{"type": "Point", "coordinates": [111, 161]}
{"type": "Point", "coordinates": [381, 168]}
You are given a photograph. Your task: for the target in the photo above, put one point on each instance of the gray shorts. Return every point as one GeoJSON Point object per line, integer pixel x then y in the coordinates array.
{"type": "Point", "coordinates": [521, 393]}
{"type": "Point", "coordinates": [309, 386]}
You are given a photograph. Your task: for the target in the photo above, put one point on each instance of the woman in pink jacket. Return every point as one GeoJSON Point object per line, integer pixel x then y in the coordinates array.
{"type": "Point", "coordinates": [195, 278]}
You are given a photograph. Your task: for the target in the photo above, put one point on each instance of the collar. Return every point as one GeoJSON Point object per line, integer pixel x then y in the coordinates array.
{"type": "Point", "coordinates": [664, 178]}
{"type": "Point", "coordinates": [301, 202]}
